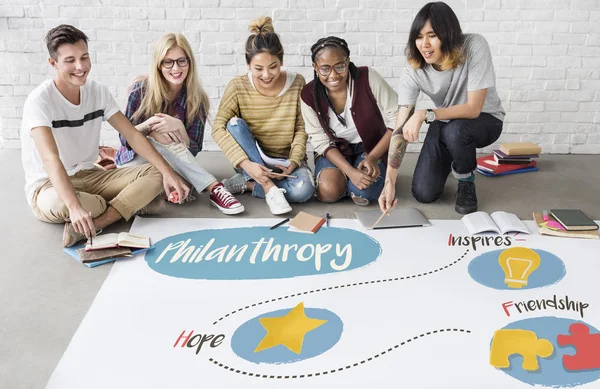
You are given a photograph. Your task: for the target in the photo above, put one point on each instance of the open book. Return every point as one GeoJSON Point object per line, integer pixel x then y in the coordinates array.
{"type": "Point", "coordinates": [499, 222]}
{"type": "Point", "coordinates": [122, 239]}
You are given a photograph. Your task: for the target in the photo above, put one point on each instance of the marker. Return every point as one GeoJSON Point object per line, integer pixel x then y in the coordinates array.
{"type": "Point", "coordinates": [280, 223]}
{"type": "Point", "coordinates": [327, 219]}
{"type": "Point", "coordinates": [545, 213]}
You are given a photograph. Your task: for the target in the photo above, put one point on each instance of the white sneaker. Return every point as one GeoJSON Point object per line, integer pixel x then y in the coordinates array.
{"type": "Point", "coordinates": [277, 202]}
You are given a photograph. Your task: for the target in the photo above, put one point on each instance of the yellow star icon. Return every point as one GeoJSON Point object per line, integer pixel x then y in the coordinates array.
{"type": "Point", "coordinates": [288, 330]}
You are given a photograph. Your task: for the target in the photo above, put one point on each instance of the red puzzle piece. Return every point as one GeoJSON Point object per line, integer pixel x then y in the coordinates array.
{"type": "Point", "coordinates": [587, 356]}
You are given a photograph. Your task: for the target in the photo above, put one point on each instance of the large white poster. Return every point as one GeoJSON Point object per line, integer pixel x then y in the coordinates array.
{"type": "Point", "coordinates": [229, 303]}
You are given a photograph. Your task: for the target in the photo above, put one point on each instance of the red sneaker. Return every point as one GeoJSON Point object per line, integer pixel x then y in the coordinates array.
{"type": "Point", "coordinates": [222, 199]}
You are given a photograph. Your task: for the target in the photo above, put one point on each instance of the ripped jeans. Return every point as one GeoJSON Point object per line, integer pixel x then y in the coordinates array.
{"type": "Point", "coordinates": [182, 161]}
{"type": "Point", "coordinates": [372, 192]}
{"type": "Point", "coordinates": [298, 190]}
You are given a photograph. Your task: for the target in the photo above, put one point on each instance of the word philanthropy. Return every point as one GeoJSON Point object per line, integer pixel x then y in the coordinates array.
{"type": "Point", "coordinates": [337, 256]}
{"type": "Point", "coordinates": [198, 340]}
{"type": "Point", "coordinates": [483, 241]}
{"type": "Point", "coordinates": [535, 305]}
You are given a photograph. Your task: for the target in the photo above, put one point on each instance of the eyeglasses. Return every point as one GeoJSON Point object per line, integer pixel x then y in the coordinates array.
{"type": "Point", "coordinates": [169, 63]}
{"type": "Point", "coordinates": [339, 69]}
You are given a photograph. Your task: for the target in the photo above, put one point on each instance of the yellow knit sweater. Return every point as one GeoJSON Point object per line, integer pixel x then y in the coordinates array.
{"type": "Point", "coordinates": [276, 122]}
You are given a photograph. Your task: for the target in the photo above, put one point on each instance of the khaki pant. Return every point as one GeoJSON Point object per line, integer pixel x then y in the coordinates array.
{"type": "Point", "coordinates": [127, 190]}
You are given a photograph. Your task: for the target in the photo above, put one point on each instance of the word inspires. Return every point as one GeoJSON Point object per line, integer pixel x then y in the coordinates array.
{"type": "Point", "coordinates": [198, 340]}
{"type": "Point", "coordinates": [263, 251]}
{"type": "Point", "coordinates": [533, 305]}
{"type": "Point", "coordinates": [475, 241]}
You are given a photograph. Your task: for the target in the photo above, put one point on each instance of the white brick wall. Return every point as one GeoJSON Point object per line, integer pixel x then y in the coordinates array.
{"type": "Point", "coordinates": [546, 53]}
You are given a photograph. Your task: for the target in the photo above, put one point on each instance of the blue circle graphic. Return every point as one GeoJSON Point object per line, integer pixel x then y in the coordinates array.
{"type": "Point", "coordinates": [251, 253]}
{"type": "Point", "coordinates": [316, 342]}
{"type": "Point", "coordinates": [551, 371]}
{"type": "Point", "coordinates": [485, 270]}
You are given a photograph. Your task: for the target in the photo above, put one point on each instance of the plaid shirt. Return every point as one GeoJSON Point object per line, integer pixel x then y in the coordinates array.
{"type": "Point", "coordinates": [195, 129]}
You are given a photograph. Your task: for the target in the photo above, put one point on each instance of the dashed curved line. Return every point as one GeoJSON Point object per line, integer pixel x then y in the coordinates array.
{"type": "Point", "coordinates": [341, 286]}
{"type": "Point", "coordinates": [340, 369]}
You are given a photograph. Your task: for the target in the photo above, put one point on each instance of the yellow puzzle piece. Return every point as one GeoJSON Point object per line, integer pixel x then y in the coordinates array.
{"type": "Point", "coordinates": [523, 342]}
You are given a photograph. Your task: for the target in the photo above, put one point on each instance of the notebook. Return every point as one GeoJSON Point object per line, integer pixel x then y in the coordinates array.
{"type": "Point", "coordinates": [573, 219]}
{"type": "Point", "coordinates": [520, 148]}
{"type": "Point", "coordinates": [305, 222]}
{"type": "Point", "coordinates": [398, 218]}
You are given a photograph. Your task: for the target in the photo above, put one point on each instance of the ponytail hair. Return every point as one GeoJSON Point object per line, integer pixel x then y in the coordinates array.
{"type": "Point", "coordinates": [320, 90]}
{"type": "Point", "coordinates": [263, 39]}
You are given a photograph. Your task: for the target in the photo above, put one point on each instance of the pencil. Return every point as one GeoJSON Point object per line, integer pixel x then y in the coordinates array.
{"type": "Point", "coordinates": [382, 215]}
{"type": "Point", "coordinates": [378, 220]}
{"type": "Point", "coordinates": [280, 223]}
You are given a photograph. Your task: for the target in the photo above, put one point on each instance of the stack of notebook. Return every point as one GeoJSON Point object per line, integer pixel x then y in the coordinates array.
{"type": "Point", "coordinates": [109, 248]}
{"type": "Point", "coordinates": [510, 158]}
{"type": "Point", "coordinates": [568, 223]}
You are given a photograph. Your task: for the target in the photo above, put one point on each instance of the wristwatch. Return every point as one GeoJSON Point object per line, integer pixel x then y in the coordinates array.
{"type": "Point", "coordinates": [429, 116]}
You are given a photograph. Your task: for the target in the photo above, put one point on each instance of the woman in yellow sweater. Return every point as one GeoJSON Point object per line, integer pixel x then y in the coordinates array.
{"type": "Point", "coordinates": [259, 126]}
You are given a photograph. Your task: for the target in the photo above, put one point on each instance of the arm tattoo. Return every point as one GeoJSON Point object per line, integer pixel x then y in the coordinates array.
{"type": "Point", "coordinates": [398, 144]}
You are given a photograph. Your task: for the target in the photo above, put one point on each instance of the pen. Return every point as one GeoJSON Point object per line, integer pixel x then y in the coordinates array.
{"type": "Point", "coordinates": [327, 219]}
{"type": "Point", "coordinates": [280, 223]}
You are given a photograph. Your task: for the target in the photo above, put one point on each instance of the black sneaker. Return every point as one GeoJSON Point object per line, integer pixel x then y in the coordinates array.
{"type": "Point", "coordinates": [466, 198]}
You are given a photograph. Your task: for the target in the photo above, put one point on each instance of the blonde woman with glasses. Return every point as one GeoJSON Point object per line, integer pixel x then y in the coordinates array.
{"type": "Point", "coordinates": [170, 107]}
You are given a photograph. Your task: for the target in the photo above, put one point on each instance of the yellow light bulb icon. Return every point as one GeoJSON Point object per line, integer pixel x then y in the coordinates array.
{"type": "Point", "coordinates": [518, 263]}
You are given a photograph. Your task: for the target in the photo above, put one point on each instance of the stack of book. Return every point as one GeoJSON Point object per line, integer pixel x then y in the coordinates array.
{"type": "Point", "coordinates": [109, 248]}
{"type": "Point", "coordinates": [510, 158]}
{"type": "Point", "coordinates": [568, 223]}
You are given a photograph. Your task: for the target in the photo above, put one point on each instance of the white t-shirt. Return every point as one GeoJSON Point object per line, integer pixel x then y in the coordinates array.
{"type": "Point", "coordinates": [76, 128]}
{"type": "Point", "coordinates": [349, 132]}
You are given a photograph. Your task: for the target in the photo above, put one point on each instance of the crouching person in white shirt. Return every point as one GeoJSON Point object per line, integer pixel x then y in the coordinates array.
{"type": "Point", "coordinates": [60, 136]}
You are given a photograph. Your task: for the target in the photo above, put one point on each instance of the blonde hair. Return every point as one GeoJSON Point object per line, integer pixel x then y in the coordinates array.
{"type": "Point", "coordinates": [449, 61]}
{"type": "Point", "coordinates": [263, 24]}
{"type": "Point", "coordinates": [157, 88]}
{"type": "Point", "coordinates": [263, 39]}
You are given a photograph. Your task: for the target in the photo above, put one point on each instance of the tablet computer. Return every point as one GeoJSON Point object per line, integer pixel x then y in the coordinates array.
{"type": "Point", "coordinates": [398, 218]}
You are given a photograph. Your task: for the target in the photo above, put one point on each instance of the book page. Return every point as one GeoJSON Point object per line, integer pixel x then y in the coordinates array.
{"type": "Point", "coordinates": [509, 222]}
{"type": "Point", "coordinates": [102, 241]}
{"type": "Point", "coordinates": [478, 222]}
{"type": "Point", "coordinates": [130, 240]}
{"type": "Point", "coordinates": [272, 162]}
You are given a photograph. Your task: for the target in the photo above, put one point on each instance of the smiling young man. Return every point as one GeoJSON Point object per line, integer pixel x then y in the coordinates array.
{"type": "Point", "coordinates": [456, 71]}
{"type": "Point", "coordinates": [60, 136]}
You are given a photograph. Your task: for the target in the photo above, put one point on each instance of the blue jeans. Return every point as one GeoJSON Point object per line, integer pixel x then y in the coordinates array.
{"type": "Point", "coordinates": [298, 190]}
{"type": "Point", "coordinates": [451, 147]}
{"type": "Point", "coordinates": [372, 192]}
{"type": "Point", "coordinates": [184, 163]}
